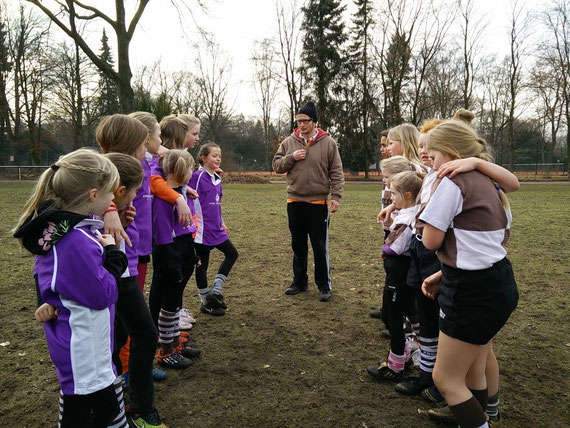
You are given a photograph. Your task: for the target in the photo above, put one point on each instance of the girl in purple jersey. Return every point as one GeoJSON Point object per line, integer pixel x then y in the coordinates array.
{"type": "Point", "coordinates": [143, 198]}
{"type": "Point", "coordinates": [77, 270]}
{"type": "Point", "coordinates": [174, 258]}
{"type": "Point", "coordinates": [212, 232]}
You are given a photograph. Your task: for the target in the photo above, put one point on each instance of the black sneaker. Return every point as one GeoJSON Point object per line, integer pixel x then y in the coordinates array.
{"type": "Point", "coordinates": [296, 289]}
{"type": "Point", "coordinates": [187, 351]}
{"type": "Point", "coordinates": [376, 314]}
{"type": "Point", "coordinates": [173, 361]}
{"type": "Point", "coordinates": [210, 309]}
{"type": "Point", "coordinates": [217, 300]}
{"type": "Point", "coordinates": [325, 295]}
{"type": "Point", "coordinates": [149, 419]}
{"type": "Point", "coordinates": [383, 372]}
{"type": "Point", "coordinates": [432, 395]}
{"type": "Point", "coordinates": [413, 385]}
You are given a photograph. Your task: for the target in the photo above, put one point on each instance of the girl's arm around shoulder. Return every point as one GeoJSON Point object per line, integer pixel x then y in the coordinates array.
{"type": "Point", "coordinates": [506, 179]}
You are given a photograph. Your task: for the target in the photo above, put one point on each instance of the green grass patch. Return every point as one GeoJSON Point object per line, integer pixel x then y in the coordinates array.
{"type": "Point", "coordinates": [276, 360]}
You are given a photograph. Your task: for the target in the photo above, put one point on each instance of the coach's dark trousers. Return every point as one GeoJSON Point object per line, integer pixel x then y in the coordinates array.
{"type": "Point", "coordinates": [310, 220]}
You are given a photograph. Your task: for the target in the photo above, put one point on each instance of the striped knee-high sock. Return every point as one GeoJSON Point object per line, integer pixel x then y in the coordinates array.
{"type": "Point", "coordinates": [492, 409]}
{"type": "Point", "coordinates": [120, 421]}
{"type": "Point", "coordinates": [167, 326]}
{"type": "Point", "coordinates": [428, 352]}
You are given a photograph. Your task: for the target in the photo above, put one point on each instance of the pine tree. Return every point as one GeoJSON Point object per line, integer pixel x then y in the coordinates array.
{"type": "Point", "coordinates": [359, 107]}
{"type": "Point", "coordinates": [396, 71]}
{"type": "Point", "coordinates": [322, 53]}
{"type": "Point", "coordinates": [108, 90]}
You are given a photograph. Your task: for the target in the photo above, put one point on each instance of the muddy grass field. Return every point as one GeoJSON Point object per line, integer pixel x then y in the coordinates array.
{"type": "Point", "coordinates": [276, 360]}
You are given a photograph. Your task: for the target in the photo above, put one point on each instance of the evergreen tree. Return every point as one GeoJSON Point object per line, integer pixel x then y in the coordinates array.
{"type": "Point", "coordinates": [358, 107]}
{"type": "Point", "coordinates": [322, 53]}
{"type": "Point", "coordinates": [396, 71]}
{"type": "Point", "coordinates": [5, 67]}
{"type": "Point", "coordinates": [108, 90]}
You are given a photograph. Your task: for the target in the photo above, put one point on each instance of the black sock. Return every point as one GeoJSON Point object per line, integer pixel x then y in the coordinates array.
{"type": "Point", "coordinates": [469, 414]}
{"type": "Point", "coordinates": [481, 395]}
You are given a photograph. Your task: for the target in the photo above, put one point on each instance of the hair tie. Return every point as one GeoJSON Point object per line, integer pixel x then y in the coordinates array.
{"type": "Point", "coordinates": [54, 167]}
{"type": "Point", "coordinates": [411, 166]}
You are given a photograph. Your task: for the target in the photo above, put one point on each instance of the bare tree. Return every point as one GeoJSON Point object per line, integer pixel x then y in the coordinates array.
{"type": "Point", "coordinates": [558, 23]}
{"type": "Point", "coordinates": [265, 90]}
{"type": "Point", "coordinates": [31, 74]}
{"type": "Point", "coordinates": [213, 84]}
{"type": "Point", "coordinates": [75, 11]}
{"type": "Point", "coordinates": [471, 31]}
{"type": "Point", "coordinates": [288, 21]}
{"type": "Point", "coordinates": [518, 23]}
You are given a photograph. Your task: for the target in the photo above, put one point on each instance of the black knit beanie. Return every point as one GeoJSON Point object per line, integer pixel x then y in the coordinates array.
{"type": "Point", "coordinates": [310, 110]}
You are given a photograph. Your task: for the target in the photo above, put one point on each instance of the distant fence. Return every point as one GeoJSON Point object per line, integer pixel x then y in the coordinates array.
{"type": "Point", "coordinates": [31, 172]}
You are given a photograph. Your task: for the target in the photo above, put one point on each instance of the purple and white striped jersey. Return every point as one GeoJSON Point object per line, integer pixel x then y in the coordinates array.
{"type": "Point", "coordinates": [143, 205]}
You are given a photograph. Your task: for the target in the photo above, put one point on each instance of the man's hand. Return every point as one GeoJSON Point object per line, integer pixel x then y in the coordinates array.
{"type": "Point", "coordinates": [299, 154]}
{"type": "Point", "coordinates": [334, 204]}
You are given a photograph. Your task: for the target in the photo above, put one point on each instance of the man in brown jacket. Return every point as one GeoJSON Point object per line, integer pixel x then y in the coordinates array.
{"type": "Point", "coordinates": [312, 162]}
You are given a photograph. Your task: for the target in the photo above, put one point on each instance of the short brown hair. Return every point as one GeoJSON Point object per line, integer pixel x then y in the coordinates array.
{"type": "Point", "coordinates": [120, 133]}
{"type": "Point", "coordinates": [130, 170]}
{"type": "Point", "coordinates": [173, 132]}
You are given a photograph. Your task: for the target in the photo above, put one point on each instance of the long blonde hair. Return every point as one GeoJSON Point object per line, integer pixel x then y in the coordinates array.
{"type": "Point", "coordinates": [66, 184]}
{"type": "Point", "coordinates": [407, 135]}
{"type": "Point", "coordinates": [456, 138]}
{"type": "Point", "coordinates": [396, 164]}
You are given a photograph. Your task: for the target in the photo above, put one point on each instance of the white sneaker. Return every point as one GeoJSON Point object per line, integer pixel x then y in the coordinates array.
{"type": "Point", "coordinates": [187, 316]}
{"type": "Point", "coordinates": [184, 325]}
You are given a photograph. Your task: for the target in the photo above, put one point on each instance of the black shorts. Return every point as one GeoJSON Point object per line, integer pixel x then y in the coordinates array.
{"type": "Point", "coordinates": [423, 263]}
{"type": "Point", "coordinates": [475, 305]}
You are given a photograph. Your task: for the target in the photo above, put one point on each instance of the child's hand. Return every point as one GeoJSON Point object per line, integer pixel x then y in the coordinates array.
{"type": "Point", "coordinates": [184, 214]}
{"type": "Point", "coordinates": [431, 285]}
{"type": "Point", "coordinates": [45, 313]}
{"type": "Point", "coordinates": [106, 239]}
{"type": "Point", "coordinates": [457, 166]}
{"type": "Point", "coordinates": [225, 228]}
{"type": "Point", "coordinates": [127, 215]}
{"type": "Point", "coordinates": [384, 216]}
{"type": "Point", "coordinates": [161, 151]}
{"type": "Point", "coordinates": [219, 171]}
{"type": "Point", "coordinates": [191, 193]}
{"type": "Point", "coordinates": [113, 226]}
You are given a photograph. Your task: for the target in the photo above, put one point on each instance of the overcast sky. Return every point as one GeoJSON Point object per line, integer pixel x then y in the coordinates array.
{"type": "Point", "coordinates": [236, 26]}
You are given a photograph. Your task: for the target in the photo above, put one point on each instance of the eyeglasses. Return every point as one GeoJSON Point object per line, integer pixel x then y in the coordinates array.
{"type": "Point", "coordinates": [303, 121]}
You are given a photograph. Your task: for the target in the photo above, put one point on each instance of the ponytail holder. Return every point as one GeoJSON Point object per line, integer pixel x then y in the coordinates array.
{"type": "Point", "coordinates": [411, 166]}
{"type": "Point", "coordinates": [54, 167]}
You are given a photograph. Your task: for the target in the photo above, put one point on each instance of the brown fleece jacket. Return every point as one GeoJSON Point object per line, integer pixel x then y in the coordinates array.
{"type": "Point", "coordinates": [314, 177]}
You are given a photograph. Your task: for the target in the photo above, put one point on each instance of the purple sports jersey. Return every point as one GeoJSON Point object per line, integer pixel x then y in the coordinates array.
{"type": "Point", "coordinates": [208, 207]}
{"type": "Point", "coordinates": [143, 205]}
{"type": "Point", "coordinates": [131, 252]}
{"type": "Point", "coordinates": [165, 225]}
{"type": "Point", "coordinates": [72, 278]}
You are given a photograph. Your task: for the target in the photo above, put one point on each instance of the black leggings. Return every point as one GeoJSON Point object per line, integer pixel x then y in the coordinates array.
{"type": "Point", "coordinates": [173, 265]}
{"type": "Point", "coordinates": [133, 314]}
{"type": "Point", "coordinates": [203, 251]}
{"type": "Point", "coordinates": [399, 297]}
